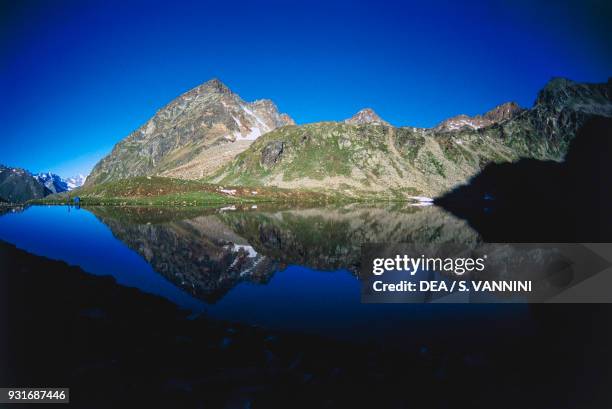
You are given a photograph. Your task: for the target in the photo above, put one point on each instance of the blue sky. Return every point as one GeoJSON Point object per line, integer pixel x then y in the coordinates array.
{"type": "Point", "coordinates": [76, 77]}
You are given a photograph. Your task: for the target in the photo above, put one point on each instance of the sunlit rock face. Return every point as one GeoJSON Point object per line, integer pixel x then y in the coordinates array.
{"type": "Point", "coordinates": [191, 136]}
{"type": "Point", "coordinates": [366, 116]}
{"type": "Point", "coordinates": [497, 115]}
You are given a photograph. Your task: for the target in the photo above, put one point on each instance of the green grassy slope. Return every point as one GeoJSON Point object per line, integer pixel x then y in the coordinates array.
{"type": "Point", "coordinates": [357, 158]}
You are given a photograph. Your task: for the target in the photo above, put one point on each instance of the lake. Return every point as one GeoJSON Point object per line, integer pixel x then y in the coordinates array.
{"type": "Point", "coordinates": [281, 268]}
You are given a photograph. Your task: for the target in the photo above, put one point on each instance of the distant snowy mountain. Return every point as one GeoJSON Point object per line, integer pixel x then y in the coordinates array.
{"type": "Point", "coordinates": [56, 184]}
{"type": "Point", "coordinates": [53, 182]}
{"type": "Point", "coordinates": [75, 182]}
{"type": "Point", "coordinates": [18, 185]}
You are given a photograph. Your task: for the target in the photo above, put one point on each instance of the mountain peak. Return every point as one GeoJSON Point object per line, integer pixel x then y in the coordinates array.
{"type": "Point", "coordinates": [366, 116]}
{"type": "Point", "coordinates": [562, 92]}
{"type": "Point", "coordinates": [503, 112]}
{"type": "Point", "coordinates": [215, 84]}
{"type": "Point", "coordinates": [192, 136]}
{"type": "Point", "coordinates": [496, 115]}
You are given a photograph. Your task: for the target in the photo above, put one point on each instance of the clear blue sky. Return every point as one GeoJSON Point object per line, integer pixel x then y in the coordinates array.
{"type": "Point", "coordinates": [78, 76]}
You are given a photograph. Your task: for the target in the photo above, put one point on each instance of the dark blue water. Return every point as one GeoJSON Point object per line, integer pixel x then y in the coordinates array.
{"type": "Point", "coordinates": [295, 297]}
{"type": "Point", "coordinates": [77, 237]}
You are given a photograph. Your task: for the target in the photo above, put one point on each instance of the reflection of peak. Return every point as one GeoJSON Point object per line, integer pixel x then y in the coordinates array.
{"type": "Point", "coordinates": [206, 253]}
{"type": "Point", "coordinates": [199, 255]}
{"type": "Point", "coordinates": [366, 116]}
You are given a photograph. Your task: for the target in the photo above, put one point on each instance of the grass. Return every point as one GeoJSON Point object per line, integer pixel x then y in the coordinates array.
{"type": "Point", "coordinates": [158, 191]}
{"type": "Point", "coordinates": [314, 151]}
{"type": "Point", "coordinates": [437, 165]}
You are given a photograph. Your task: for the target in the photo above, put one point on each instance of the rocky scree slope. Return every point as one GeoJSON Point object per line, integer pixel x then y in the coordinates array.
{"type": "Point", "coordinates": [190, 137]}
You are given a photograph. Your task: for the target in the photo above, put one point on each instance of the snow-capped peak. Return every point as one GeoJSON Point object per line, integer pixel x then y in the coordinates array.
{"type": "Point", "coordinates": [51, 181]}
{"type": "Point", "coordinates": [57, 184]}
{"type": "Point", "coordinates": [76, 181]}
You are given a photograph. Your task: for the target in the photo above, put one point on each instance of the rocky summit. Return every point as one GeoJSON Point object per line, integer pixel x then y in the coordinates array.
{"type": "Point", "coordinates": [361, 155]}
{"type": "Point", "coordinates": [498, 114]}
{"type": "Point", "coordinates": [191, 137]}
{"type": "Point", "coordinates": [366, 116]}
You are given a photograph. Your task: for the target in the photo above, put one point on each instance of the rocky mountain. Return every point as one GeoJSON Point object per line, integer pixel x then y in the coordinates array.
{"type": "Point", "coordinates": [53, 182]}
{"type": "Point", "coordinates": [76, 181]}
{"type": "Point", "coordinates": [18, 185]}
{"type": "Point", "coordinates": [366, 116]}
{"type": "Point", "coordinates": [407, 161]}
{"type": "Point", "coordinates": [191, 137]}
{"type": "Point", "coordinates": [497, 115]}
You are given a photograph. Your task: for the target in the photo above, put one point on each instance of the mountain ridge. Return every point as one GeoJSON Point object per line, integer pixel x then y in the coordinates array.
{"type": "Point", "coordinates": [20, 185]}
{"type": "Point", "coordinates": [362, 153]}
{"type": "Point", "coordinates": [407, 160]}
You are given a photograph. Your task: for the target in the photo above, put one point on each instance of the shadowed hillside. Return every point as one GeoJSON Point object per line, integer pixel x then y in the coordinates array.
{"type": "Point", "coordinates": [543, 201]}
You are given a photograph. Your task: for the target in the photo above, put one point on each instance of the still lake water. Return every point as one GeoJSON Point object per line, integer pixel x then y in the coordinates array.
{"type": "Point", "coordinates": [290, 269]}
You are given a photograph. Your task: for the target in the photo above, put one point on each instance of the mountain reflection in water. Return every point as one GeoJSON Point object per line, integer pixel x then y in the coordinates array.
{"type": "Point", "coordinates": [277, 267]}
{"type": "Point", "coordinates": [208, 252]}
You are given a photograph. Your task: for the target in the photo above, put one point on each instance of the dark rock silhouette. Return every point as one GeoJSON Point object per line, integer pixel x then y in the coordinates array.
{"type": "Point", "coordinates": [544, 201]}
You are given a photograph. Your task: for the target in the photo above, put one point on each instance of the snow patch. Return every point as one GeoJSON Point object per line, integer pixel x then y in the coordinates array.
{"type": "Point", "coordinates": [422, 199]}
{"type": "Point", "coordinates": [257, 118]}
{"type": "Point", "coordinates": [251, 253]}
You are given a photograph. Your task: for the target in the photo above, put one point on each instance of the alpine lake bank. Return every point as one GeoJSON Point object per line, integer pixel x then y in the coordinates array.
{"type": "Point", "coordinates": [162, 191]}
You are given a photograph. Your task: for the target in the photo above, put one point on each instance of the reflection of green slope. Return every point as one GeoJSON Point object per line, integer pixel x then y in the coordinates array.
{"type": "Point", "coordinates": [331, 238]}
{"type": "Point", "coordinates": [149, 215]}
